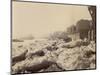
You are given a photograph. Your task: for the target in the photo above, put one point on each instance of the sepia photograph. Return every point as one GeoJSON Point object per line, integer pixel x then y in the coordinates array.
{"type": "Point", "coordinates": [52, 37]}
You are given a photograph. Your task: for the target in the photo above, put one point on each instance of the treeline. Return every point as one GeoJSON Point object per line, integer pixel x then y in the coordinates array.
{"type": "Point", "coordinates": [82, 27]}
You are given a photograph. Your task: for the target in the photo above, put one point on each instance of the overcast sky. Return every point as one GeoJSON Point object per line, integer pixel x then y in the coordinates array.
{"type": "Point", "coordinates": [40, 19]}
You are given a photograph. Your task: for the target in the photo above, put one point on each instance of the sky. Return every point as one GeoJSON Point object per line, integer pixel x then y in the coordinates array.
{"type": "Point", "coordinates": [40, 19]}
